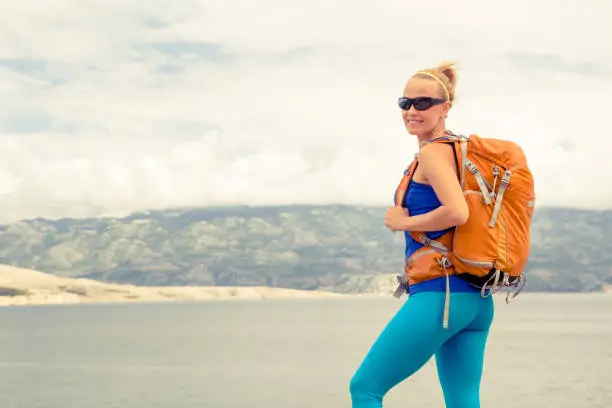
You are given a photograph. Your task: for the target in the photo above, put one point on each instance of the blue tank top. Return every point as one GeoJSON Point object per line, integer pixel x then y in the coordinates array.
{"type": "Point", "coordinates": [420, 199]}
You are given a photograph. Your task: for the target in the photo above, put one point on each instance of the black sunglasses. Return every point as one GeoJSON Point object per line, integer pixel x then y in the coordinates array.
{"type": "Point", "coordinates": [420, 103]}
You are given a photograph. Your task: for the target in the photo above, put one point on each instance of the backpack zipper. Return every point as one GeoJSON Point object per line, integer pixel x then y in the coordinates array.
{"type": "Point", "coordinates": [478, 264]}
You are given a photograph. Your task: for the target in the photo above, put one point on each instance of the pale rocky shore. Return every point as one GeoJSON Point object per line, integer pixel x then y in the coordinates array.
{"type": "Point", "coordinates": [20, 286]}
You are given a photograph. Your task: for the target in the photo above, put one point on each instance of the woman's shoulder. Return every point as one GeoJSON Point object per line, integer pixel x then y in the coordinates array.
{"type": "Point", "coordinates": [436, 151]}
{"type": "Point", "coordinates": [438, 159]}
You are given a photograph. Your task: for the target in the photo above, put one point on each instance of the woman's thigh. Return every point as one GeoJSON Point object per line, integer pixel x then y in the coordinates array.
{"type": "Point", "coordinates": [411, 338]}
{"type": "Point", "coordinates": [460, 360]}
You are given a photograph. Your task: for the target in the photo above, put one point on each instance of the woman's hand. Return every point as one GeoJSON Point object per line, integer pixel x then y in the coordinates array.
{"type": "Point", "coordinates": [396, 218]}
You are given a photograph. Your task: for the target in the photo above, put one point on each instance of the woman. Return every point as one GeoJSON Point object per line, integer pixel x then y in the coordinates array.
{"type": "Point", "coordinates": [435, 204]}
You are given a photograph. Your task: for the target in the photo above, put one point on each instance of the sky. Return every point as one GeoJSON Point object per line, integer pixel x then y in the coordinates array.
{"type": "Point", "coordinates": [110, 107]}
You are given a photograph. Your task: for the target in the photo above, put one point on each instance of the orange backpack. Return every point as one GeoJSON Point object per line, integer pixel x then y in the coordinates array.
{"type": "Point", "coordinates": [491, 249]}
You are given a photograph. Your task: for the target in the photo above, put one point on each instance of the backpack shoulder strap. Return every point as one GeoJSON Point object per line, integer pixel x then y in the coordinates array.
{"type": "Point", "coordinates": [400, 193]}
{"type": "Point", "coordinates": [456, 140]}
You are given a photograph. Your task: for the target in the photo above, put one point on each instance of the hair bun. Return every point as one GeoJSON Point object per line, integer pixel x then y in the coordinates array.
{"type": "Point", "coordinates": [450, 72]}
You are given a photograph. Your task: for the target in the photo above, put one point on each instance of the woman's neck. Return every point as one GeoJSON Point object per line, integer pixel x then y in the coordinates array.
{"type": "Point", "coordinates": [425, 139]}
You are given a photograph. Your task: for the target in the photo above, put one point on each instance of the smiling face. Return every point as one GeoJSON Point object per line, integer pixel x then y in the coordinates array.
{"type": "Point", "coordinates": [424, 123]}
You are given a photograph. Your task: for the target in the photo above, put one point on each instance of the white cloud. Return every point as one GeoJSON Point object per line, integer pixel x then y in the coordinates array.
{"type": "Point", "coordinates": [285, 102]}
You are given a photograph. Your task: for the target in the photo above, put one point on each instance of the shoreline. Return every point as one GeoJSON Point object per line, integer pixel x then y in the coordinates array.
{"type": "Point", "coordinates": [139, 294]}
{"type": "Point", "coordinates": [25, 287]}
{"type": "Point", "coordinates": [166, 294]}
{"type": "Point", "coordinates": [21, 287]}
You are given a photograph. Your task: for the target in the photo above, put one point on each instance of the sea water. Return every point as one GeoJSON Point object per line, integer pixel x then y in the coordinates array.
{"type": "Point", "coordinates": [545, 350]}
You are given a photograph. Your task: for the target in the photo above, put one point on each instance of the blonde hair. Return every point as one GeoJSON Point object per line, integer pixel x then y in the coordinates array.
{"type": "Point", "coordinates": [445, 74]}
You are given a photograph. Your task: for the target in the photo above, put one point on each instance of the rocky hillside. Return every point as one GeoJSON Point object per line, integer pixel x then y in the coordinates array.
{"type": "Point", "coordinates": [340, 248]}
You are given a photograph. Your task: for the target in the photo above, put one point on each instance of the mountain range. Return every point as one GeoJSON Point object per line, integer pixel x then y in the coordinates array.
{"type": "Point", "coordinates": [341, 248]}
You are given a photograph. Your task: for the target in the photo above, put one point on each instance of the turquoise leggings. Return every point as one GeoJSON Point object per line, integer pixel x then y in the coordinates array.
{"type": "Point", "coordinates": [414, 335]}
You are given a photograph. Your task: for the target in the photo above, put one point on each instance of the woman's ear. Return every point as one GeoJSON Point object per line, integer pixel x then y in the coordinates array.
{"type": "Point", "coordinates": [447, 106]}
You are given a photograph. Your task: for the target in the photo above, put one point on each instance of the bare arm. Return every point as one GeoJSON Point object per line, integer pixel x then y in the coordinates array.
{"type": "Point", "coordinates": [437, 164]}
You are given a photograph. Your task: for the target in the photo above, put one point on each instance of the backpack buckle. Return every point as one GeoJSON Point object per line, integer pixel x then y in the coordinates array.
{"type": "Point", "coordinates": [444, 262]}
